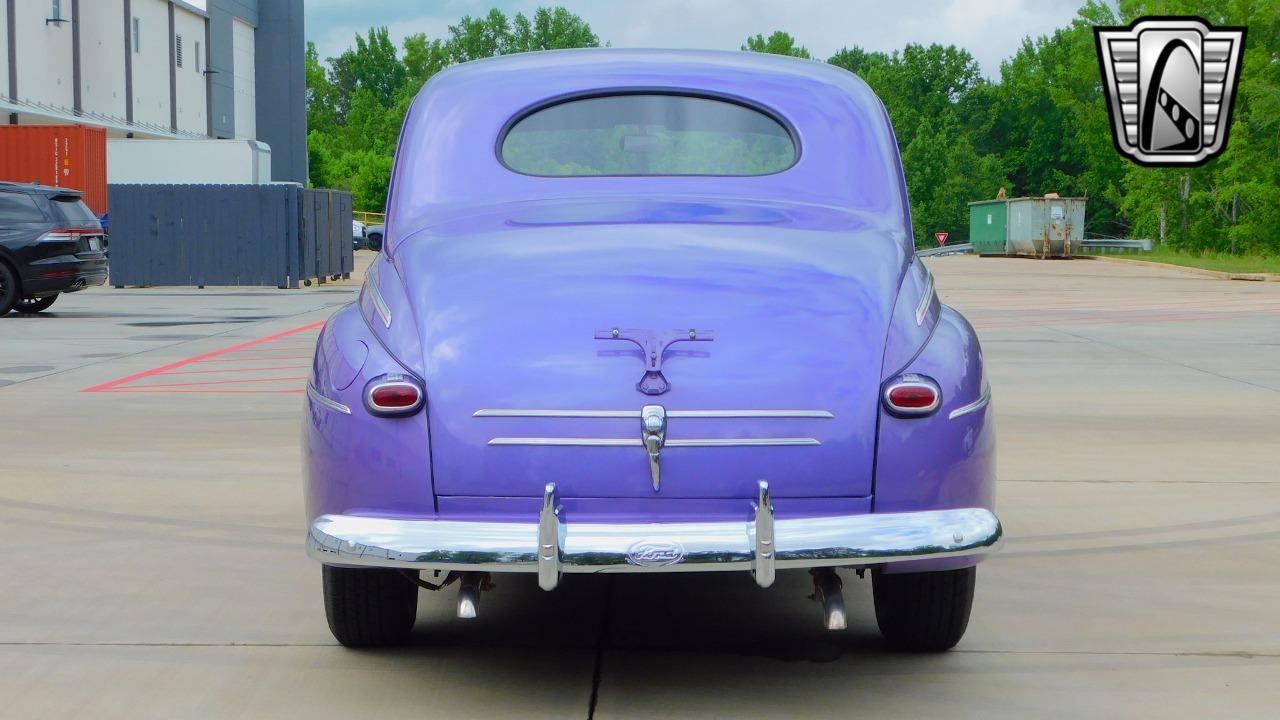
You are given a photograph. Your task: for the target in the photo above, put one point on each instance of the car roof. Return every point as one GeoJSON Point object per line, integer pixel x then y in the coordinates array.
{"type": "Point", "coordinates": [848, 157]}
{"type": "Point", "coordinates": [36, 188]}
{"type": "Point", "coordinates": [611, 61]}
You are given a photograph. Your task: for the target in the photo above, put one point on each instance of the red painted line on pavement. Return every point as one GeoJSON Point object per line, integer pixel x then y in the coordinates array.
{"type": "Point", "coordinates": [197, 358]}
{"type": "Point", "coordinates": [205, 392]}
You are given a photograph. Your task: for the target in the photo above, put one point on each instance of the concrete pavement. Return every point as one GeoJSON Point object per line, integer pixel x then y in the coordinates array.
{"type": "Point", "coordinates": [154, 567]}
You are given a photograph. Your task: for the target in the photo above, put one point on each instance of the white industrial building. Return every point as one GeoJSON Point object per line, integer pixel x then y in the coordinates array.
{"type": "Point", "coordinates": [160, 69]}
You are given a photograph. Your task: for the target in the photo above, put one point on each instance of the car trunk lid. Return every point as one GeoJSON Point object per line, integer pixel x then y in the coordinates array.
{"type": "Point", "coordinates": [532, 361]}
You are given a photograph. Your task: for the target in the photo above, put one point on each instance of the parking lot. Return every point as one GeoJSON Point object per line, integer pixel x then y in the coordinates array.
{"type": "Point", "coordinates": [151, 516]}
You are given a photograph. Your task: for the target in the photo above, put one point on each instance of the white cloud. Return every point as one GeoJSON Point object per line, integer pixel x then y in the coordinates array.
{"type": "Point", "coordinates": [991, 30]}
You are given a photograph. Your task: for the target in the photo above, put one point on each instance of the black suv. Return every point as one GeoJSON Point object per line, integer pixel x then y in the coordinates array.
{"type": "Point", "coordinates": [50, 243]}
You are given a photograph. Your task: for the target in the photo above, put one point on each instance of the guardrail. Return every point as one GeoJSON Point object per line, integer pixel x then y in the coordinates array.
{"type": "Point", "coordinates": [370, 218]}
{"type": "Point", "coordinates": [957, 249]}
{"type": "Point", "coordinates": [1102, 245]}
{"type": "Point", "coordinates": [1114, 244]}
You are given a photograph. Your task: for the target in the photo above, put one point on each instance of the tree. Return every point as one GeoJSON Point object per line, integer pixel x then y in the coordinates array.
{"type": "Point", "coordinates": [475, 38]}
{"type": "Point", "coordinates": [779, 43]}
{"type": "Point", "coordinates": [944, 174]}
{"type": "Point", "coordinates": [356, 106]}
{"type": "Point", "coordinates": [423, 58]}
{"type": "Point", "coordinates": [322, 101]}
{"type": "Point", "coordinates": [927, 92]}
{"type": "Point", "coordinates": [372, 65]}
{"type": "Point", "coordinates": [551, 29]}
{"type": "Point", "coordinates": [1041, 126]}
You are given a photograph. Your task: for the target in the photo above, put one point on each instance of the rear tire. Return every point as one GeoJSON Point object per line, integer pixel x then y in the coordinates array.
{"type": "Point", "coordinates": [35, 305]}
{"type": "Point", "coordinates": [8, 289]}
{"type": "Point", "coordinates": [369, 608]}
{"type": "Point", "coordinates": [924, 612]}
{"type": "Point", "coordinates": [374, 243]}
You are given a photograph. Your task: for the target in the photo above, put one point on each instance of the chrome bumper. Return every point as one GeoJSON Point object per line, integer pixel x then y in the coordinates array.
{"type": "Point", "coordinates": [550, 546]}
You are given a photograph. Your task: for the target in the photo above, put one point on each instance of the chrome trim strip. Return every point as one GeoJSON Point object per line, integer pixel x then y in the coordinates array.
{"type": "Point", "coordinates": [529, 413]}
{"type": "Point", "coordinates": [484, 546]}
{"type": "Point", "coordinates": [378, 303]}
{"type": "Point", "coordinates": [585, 442]}
{"type": "Point", "coordinates": [972, 407]}
{"type": "Point", "coordinates": [749, 414]}
{"type": "Point", "coordinates": [637, 442]}
{"type": "Point", "coordinates": [558, 413]}
{"type": "Point", "coordinates": [735, 442]}
{"type": "Point", "coordinates": [322, 401]}
{"type": "Point", "coordinates": [926, 299]}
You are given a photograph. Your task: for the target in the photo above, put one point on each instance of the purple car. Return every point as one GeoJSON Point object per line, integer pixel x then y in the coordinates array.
{"type": "Point", "coordinates": [647, 312]}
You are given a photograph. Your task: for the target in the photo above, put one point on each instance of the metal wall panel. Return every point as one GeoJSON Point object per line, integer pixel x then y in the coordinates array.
{"type": "Point", "coordinates": [282, 87]}
{"type": "Point", "coordinates": [228, 234]}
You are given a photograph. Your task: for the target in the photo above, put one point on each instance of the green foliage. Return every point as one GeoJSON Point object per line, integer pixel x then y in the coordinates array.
{"type": "Point", "coordinates": [1210, 260]}
{"type": "Point", "coordinates": [1044, 128]}
{"type": "Point", "coordinates": [932, 94]}
{"type": "Point", "coordinates": [356, 105]}
{"type": "Point", "coordinates": [1232, 203]}
{"type": "Point", "coordinates": [779, 43]}
{"type": "Point", "coordinates": [1041, 127]}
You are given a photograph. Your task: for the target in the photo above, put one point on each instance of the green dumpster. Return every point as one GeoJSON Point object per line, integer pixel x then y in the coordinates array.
{"type": "Point", "coordinates": [988, 222]}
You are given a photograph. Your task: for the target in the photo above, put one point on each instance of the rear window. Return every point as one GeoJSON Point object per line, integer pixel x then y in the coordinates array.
{"type": "Point", "coordinates": [74, 211]}
{"type": "Point", "coordinates": [648, 134]}
{"type": "Point", "coordinates": [19, 208]}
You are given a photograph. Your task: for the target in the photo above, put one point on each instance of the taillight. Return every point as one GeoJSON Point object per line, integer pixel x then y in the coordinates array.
{"type": "Point", "coordinates": [393, 396]}
{"type": "Point", "coordinates": [69, 234]}
{"type": "Point", "coordinates": [912, 396]}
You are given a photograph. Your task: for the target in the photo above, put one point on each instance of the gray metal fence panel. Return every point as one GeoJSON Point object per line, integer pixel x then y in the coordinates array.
{"type": "Point", "coordinates": [341, 237]}
{"type": "Point", "coordinates": [265, 235]}
{"type": "Point", "coordinates": [306, 235]}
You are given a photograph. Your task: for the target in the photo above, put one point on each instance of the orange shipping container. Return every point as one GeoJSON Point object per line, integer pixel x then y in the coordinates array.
{"type": "Point", "coordinates": [69, 156]}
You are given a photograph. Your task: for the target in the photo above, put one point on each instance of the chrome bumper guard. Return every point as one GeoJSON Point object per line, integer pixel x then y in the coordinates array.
{"type": "Point", "coordinates": [551, 547]}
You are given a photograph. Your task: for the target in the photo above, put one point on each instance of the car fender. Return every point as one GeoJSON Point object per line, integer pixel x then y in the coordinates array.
{"type": "Point", "coordinates": [353, 460]}
{"type": "Point", "coordinates": [945, 460]}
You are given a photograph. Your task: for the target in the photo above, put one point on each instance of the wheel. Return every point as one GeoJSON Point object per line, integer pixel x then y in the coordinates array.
{"type": "Point", "coordinates": [924, 612]}
{"type": "Point", "coordinates": [34, 305]}
{"type": "Point", "coordinates": [8, 289]}
{"type": "Point", "coordinates": [374, 243]}
{"type": "Point", "coordinates": [369, 607]}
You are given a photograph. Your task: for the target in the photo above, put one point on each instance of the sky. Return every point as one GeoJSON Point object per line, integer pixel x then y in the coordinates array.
{"type": "Point", "coordinates": [991, 30]}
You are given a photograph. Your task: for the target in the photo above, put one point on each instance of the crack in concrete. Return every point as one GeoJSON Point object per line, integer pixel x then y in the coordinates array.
{"type": "Point", "coordinates": [602, 644]}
